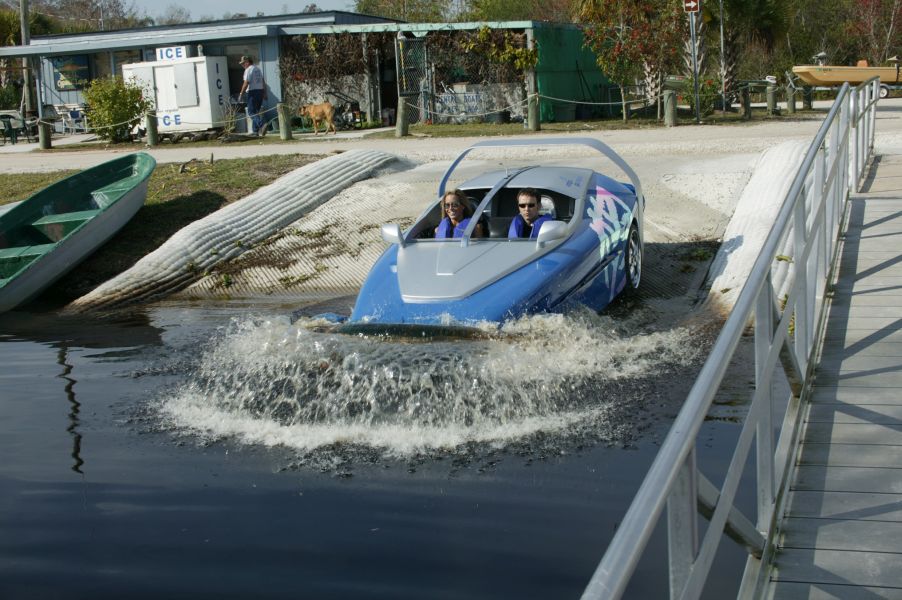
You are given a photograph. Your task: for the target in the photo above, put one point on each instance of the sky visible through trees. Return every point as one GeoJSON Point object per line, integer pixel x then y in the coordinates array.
{"type": "Point", "coordinates": [764, 36]}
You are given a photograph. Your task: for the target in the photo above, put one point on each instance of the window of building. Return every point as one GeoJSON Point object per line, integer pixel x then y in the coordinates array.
{"type": "Point", "coordinates": [125, 57]}
{"type": "Point", "coordinates": [233, 53]}
{"type": "Point", "coordinates": [105, 64]}
{"type": "Point", "coordinates": [100, 65]}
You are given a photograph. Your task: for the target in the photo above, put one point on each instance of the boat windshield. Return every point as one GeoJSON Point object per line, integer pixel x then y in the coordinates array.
{"type": "Point", "coordinates": [491, 203]}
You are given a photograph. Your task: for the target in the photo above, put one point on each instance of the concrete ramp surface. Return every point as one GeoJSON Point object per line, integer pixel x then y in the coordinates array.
{"type": "Point", "coordinates": [752, 221]}
{"type": "Point", "coordinates": [330, 250]}
{"type": "Point", "coordinates": [229, 232]}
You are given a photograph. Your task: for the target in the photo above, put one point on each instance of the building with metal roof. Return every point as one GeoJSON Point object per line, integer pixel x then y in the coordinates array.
{"type": "Point", "coordinates": [68, 62]}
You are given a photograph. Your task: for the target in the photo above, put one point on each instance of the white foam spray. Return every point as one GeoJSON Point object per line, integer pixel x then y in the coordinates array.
{"type": "Point", "coordinates": [271, 382]}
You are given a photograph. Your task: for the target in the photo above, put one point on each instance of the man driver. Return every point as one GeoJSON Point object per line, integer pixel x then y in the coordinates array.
{"type": "Point", "coordinates": [528, 223]}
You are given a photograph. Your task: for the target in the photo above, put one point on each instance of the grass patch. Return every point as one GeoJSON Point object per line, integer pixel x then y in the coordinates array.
{"type": "Point", "coordinates": [176, 196]}
{"type": "Point", "coordinates": [475, 129]}
{"type": "Point", "coordinates": [18, 186]}
{"type": "Point", "coordinates": [702, 251]}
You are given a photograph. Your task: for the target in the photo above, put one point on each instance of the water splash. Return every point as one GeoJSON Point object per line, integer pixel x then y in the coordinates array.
{"type": "Point", "coordinates": [300, 386]}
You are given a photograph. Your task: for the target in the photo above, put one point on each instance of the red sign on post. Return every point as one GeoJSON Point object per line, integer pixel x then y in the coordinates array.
{"type": "Point", "coordinates": [691, 5]}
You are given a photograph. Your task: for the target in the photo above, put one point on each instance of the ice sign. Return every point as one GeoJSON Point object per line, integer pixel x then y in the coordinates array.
{"type": "Point", "coordinates": [172, 53]}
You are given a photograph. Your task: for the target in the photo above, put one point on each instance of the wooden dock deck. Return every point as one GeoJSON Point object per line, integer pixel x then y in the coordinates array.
{"type": "Point", "coordinates": [841, 534]}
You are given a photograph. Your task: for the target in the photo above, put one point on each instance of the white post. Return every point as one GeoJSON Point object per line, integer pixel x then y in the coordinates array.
{"type": "Point", "coordinates": [853, 142]}
{"type": "Point", "coordinates": [764, 335]}
{"type": "Point", "coordinates": [698, 118]}
{"type": "Point", "coordinates": [723, 65]}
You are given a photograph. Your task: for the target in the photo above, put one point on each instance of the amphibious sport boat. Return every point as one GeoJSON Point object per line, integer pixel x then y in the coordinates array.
{"type": "Point", "coordinates": [588, 252]}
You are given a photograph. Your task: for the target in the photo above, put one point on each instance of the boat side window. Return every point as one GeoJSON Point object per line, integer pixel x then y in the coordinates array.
{"type": "Point", "coordinates": [505, 209]}
{"type": "Point", "coordinates": [425, 227]}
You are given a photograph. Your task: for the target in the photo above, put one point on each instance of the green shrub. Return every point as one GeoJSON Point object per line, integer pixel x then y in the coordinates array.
{"type": "Point", "coordinates": [9, 97]}
{"type": "Point", "coordinates": [115, 107]}
{"type": "Point", "coordinates": [708, 92]}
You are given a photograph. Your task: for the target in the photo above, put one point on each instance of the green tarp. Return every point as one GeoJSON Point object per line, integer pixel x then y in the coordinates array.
{"type": "Point", "coordinates": [568, 71]}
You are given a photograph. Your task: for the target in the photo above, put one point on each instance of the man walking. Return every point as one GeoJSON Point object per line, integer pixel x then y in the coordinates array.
{"type": "Point", "coordinates": [255, 87]}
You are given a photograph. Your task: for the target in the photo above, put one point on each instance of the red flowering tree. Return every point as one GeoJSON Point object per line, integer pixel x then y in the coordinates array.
{"type": "Point", "coordinates": [876, 24]}
{"type": "Point", "coordinates": [627, 35]}
{"type": "Point", "coordinates": [664, 55]}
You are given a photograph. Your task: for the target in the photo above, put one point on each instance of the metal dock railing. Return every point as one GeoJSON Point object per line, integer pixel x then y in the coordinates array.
{"type": "Point", "coordinates": [788, 334]}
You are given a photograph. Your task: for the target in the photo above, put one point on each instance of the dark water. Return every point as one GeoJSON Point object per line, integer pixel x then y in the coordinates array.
{"type": "Point", "coordinates": [106, 494]}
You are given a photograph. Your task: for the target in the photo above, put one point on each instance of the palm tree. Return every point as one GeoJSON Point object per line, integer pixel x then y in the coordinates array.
{"type": "Point", "coordinates": [747, 24]}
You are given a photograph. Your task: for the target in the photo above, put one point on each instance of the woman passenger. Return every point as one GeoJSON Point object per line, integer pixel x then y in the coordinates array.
{"type": "Point", "coordinates": [457, 210]}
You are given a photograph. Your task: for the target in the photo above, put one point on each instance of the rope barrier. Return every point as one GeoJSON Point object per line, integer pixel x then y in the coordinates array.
{"type": "Point", "coordinates": [214, 124]}
{"type": "Point", "coordinates": [748, 85]}
{"type": "Point", "coordinates": [523, 102]}
{"type": "Point", "coordinates": [261, 113]}
{"type": "Point", "coordinates": [467, 114]}
{"type": "Point", "coordinates": [430, 113]}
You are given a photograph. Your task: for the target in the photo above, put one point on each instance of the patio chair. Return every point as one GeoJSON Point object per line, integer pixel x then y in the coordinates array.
{"type": "Point", "coordinates": [15, 126]}
{"type": "Point", "coordinates": [74, 121]}
{"type": "Point", "coordinates": [6, 130]}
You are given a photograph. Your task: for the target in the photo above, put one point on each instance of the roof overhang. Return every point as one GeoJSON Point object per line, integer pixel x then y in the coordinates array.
{"type": "Point", "coordinates": [407, 27]}
{"type": "Point", "coordinates": [125, 39]}
{"type": "Point", "coordinates": [84, 45]}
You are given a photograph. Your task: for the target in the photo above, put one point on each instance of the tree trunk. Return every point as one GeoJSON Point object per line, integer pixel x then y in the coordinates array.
{"type": "Point", "coordinates": [654, 84]}
{"type": "Point", "coordinates": [731, 65]}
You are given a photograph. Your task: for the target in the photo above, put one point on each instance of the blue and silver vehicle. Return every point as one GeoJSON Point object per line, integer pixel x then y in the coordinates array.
{"type": "Point", "coordinates": [589, 253]}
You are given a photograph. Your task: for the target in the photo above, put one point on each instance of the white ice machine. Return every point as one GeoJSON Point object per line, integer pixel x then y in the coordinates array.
{"type": "Point", "coordinates": [190, 94]}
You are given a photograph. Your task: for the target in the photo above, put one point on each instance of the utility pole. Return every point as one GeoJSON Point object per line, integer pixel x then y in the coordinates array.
{"type": "Point", "coordinates": [26, 70]}
{"type": "Point", "coordinates": [692, 8]}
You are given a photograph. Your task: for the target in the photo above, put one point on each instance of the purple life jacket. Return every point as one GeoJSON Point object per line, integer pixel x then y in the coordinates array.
{"type": "Point", "coordinates": [445, 229]}
{"type": "Point", "coordinates": [518, 226]}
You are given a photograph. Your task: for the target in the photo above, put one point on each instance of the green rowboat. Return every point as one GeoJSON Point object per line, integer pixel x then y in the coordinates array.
{"type": "Point", "coordinates": [48, 234]}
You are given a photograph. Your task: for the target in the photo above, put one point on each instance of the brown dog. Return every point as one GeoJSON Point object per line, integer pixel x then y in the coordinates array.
{"type": "Point", "coordinates": [324, 111]}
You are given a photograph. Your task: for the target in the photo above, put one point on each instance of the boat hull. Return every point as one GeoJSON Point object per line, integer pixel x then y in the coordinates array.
{"type": "Point", "coordinates": [38, 245]}
{"type": "Point", "coordinates": [579, 256]}
{"type": "Point", "coordinates": [837, 75]}
{"type": "Point", "coordinates": [569, 275]}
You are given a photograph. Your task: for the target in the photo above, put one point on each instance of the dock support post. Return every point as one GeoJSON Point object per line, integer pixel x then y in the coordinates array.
{"type": "Point", "coordinates": [746, 101]}
{"type": "Point", "coordinates": [153, 138]}
{"type": "Point", "coordinates": [670, 108]}
{"type": "Point", "coordinates": [532, 88]}
{"type": "Point", "coordinates": [790, 100]}
{"type": "Point", "coordinates": [532, 113]}
{"type": "Point", "coordinates": [771, 99]}
{"type": "Point", "coordinates": [44, 135]}
{"type": "Point", "coordinates": [284, 121]}
{"type": "Point", "coordinates": [402, 128]}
